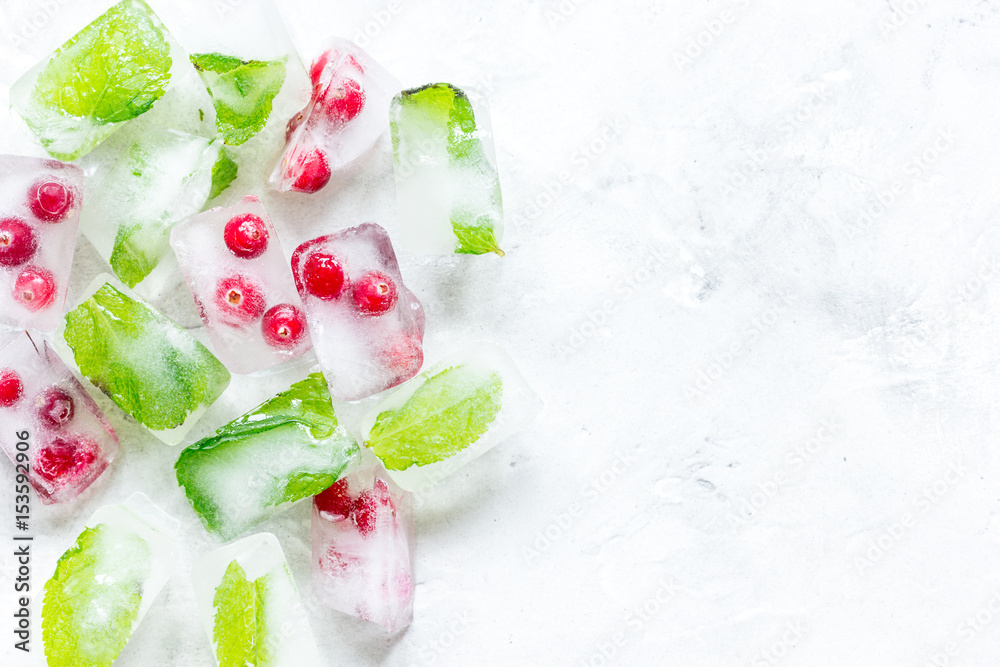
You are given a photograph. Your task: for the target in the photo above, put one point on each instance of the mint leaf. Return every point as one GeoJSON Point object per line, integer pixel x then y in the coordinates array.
{"type": "Point", "coordinates": [475, 239]}
{"type": "Point", "coordinates": [242, 91]}
{"type": "Point", "coordinates": [137, 251]}
{"type": "Point", "coordinates": [239, 630]}
{"type": "Point", "coordinates": [224, 172]}
{"type": "Point", "coordinates": [148, 365]}
{"type": "Point", "coordinates": [291, 446]}
{"type": "Point", "coordinates": [92, 601]}
{"type": "Point", "coordinates": [449, 412]}
{"type": "Point", "coordinates": [110, 72]}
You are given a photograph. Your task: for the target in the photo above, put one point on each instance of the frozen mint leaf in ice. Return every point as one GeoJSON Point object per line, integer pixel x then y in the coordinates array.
{"type": "Point", "coordinates": [242, 91]}
{"type": "Point", "coordinates": [110, 72]}
{"type": "Point", "coordinates": [224, 172]}
{"type": "Point", "coordinates": [291, 447]}
{"type": "Point", "coordinates": [446, 414]}
{"type": "Point", "coordinates": [239, 630]}
{"type": "Point", "coordinates": [137, 251]}
{"type": "Point", "coordinates": [92, 601]}
{"type": "Point", "coordinates": [147, 364]}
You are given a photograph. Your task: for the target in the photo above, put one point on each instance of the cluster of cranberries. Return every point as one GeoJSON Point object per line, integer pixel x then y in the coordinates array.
{"type": "Point", "coordinates": [363, 511]}
{"type": "Point", "coordinates": [50, 201]}
{"type": "Point", "coordinates": [54, 409]}
{"type": "Point", "coordinates": [336, 104]}
{"type": "Point", "coordinates": [240, 301]}
{"type": "Point", "coordinates": [373, 293]}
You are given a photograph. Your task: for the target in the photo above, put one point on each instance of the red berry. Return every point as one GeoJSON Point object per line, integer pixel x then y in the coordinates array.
{"type": "Point", "coordinates": [368, 505]}
{"type": "Point", "coordinates": [323, 276]}
{"type": "Point", "coordinates": [55, 407]}
{"type": "Point", "coordinates": [50, 200]}
{"type": "Point", "coordinates": [238, 301]}
{"type": "Point", "coordinates": [18, 242]}
{"type": "Point", "coordinates": [63, 455]}
{"type": "Point", "coordinates": [35, 288]}
{"type": "Point", "coordinates": [316, 71]}
{"type": "Point", "coordinates": [310, 170]}
{"type": "Point", "coordinates": [246, 236]}
{"type": "Point", "coordinates": [10, 388]}
{"type": "Point", "coordinates": [293, 124]}
{"type": "Point", "coordinates": [283, 326]}
{"type": "Point", "coordinates": [336, 500]}
{"type": "Point", "coordinates": [375, 293]}
{"type": "Point", "coordinates": [403, 354]}
{"type": "Point", "coordinates": [342, 100]}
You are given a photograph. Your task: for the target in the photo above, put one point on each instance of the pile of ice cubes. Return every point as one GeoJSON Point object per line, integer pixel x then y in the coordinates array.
{"type": "Point", "coordinates": [170, 157]}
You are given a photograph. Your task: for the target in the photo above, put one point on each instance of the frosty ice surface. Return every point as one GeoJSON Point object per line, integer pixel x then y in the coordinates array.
{"type": "Point", "coordinates": [344, 117]}
{"type": "Point", "coordinates": [39, 212]}
{"type": "Point", "coordinates": [449, 415]}
{"type": "Point", "coordinates": [148, 365]}
{"type": "Point", "coordinates": [161, 178]}
{"type": "Point", "coordinates": [250, 606]}
{"type": "Point", "coordinates": [105, 583]}
{"type": "Point", "coordinates": [288, 448]}
{"type": "Point", "coordinates": [446, 176]}
{"type": "Point", "coordinates": [239, 277]}
{"type": "Point", "coordinates": [362, 532]}
{"type": "Point", "coordinates": [367, 328]}
{"type": "Point", "coordinates": [109, 73]}
{"type": "Point", "coordinates": [70, 442]}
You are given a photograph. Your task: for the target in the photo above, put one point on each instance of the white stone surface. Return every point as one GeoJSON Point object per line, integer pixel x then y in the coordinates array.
{"type": "Point", "coordinates": [712, 218]}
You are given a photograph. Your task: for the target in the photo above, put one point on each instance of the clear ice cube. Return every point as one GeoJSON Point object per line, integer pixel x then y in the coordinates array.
{"type": "Point", "coordinates": [153, 369]}
{"type": "Point", "coordinates": [367, 327]}
{"type": "Point", "coordinates": [69, 440]}
{"type": "Point", "coordinates": [241, 283]}
{"type": "Point", "coordinates": [39, 213]}
{"type": "Point", "coordinates": [344, 117]}
{"type": "Point", "coordinates": [447, 186]}
{"type": "Point", "coordinates": [250, 606]}
{"type": "Point", "coordinates": [106, 582]}
{"type": "Point", "coordinates": [450, 414]}
{"type": "Point", "coordinates": [362, 541]}
{"type": "Point", "coordinates": [288, 448]}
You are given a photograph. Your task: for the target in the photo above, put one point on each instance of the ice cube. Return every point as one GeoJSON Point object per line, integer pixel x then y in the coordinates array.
{"type": "Point", "coordinates": [250, 606]}
{"type": "Point", "coordinates": [39, 212]}
{"type": "Point", "coordinates": [362, 540]}
{"type": "Point", "coordinates": [367, 328]}
{"type": "Point", "coordinates": [447, 186]}
{"type": "Point", "coordinates": [105, 583]}
{"type": "Point", "coordinates": [286, 449]}
{"type": "Point", "coordinates": [345, 116]}
{"type": "Point", "coordinates": [248, 63]}
{"type": "Point", "coordinates": [68, 440]}
{"type": "Point", "coordinates": [149, 366]}
{"type": "Point", "coordinates": [239, 277]}
{"type": "Point", "coordinates": [109, 73]}
{"type": "Point", "coordinates": [161, 178]}
{"type": "Point", "coordinates": [449, 415]}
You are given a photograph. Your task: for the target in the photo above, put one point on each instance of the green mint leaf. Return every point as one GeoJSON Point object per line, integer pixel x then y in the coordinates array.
{"type": "Point", "coordinates": [110, 72]}
{"type": "Point", "coordinates": [105, 570]}
{"type": "Point", "coordinates": [137, 251]}
{"type": "Point", "coordinates": [475, 239]}
{"type": "Point", "coordinates": [446, 414]}
{"type": "Point", "coordinates": [291, 446]}
{"type": "Point", "coordinates": [242, 91]}
{"type": "Point", "coordinates": [148, 365]}
{"type": "Point", "coordinates": [224, 172]}
{"type": "Point", "coordinates": [239, 630]}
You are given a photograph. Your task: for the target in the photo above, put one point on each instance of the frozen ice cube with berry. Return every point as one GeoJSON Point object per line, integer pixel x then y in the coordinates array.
{"type": "Point", "coordinates": [39, 213]}
{"type": "Point", "coordinates": [367, 327]}
{"type": "Point", "coordinates": [346, 114]}
{"type": "Point", "coordinates": [69, 440]}
{"type": "Point", "coordinates": [241, 283]}
{"type": "Point", "coordinates": [362, 541]}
